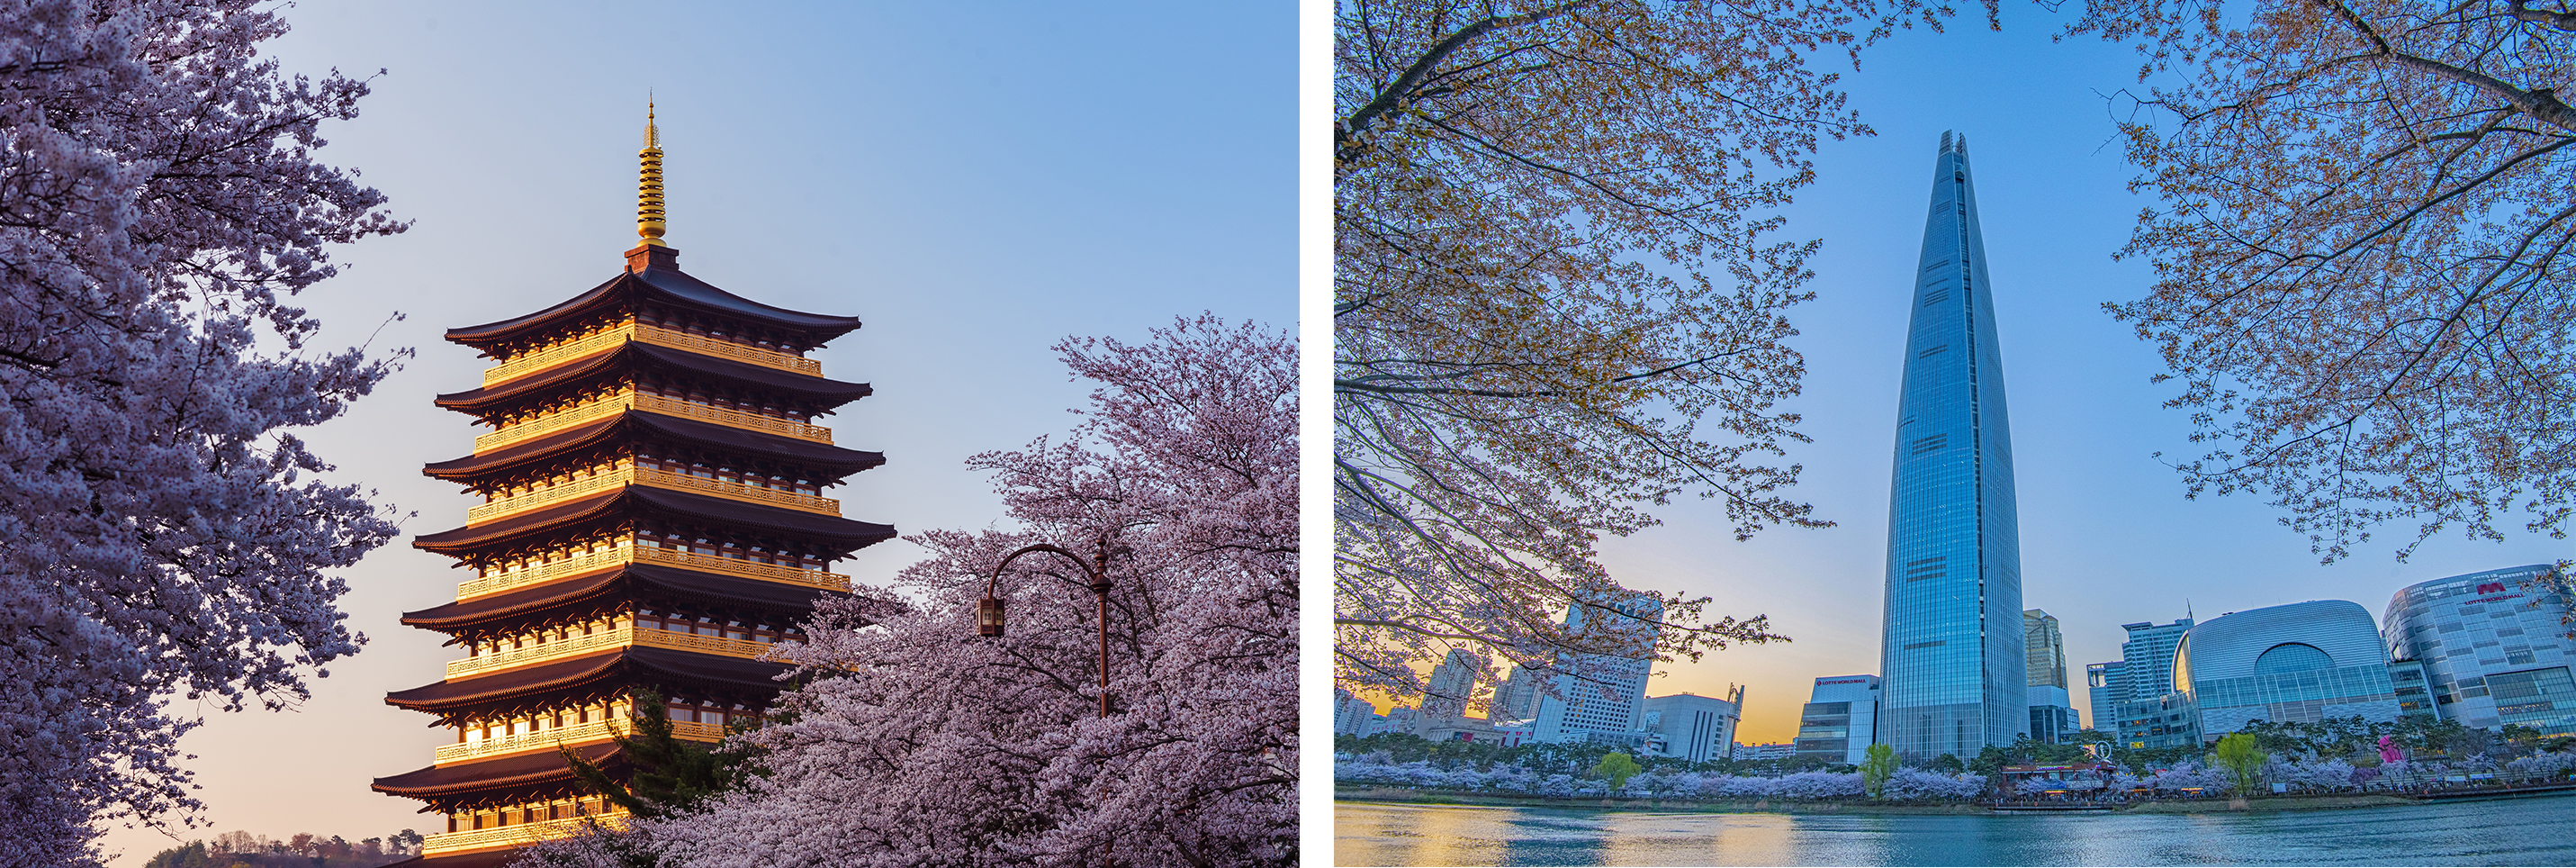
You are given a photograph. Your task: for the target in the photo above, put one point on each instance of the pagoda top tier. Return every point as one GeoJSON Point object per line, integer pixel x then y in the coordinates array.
{"type": "Point", "coordinates": [653, 278]}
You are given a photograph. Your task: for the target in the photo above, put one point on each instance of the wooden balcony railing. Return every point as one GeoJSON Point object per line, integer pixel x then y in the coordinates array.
{"type": "Point", "coordinates": [737, 491]}
{"type": "Point", "coordinates": [509, 836]}
{"type": "Point", "coordinates": [628, 552]}
{"type": "Point", "coordinates": [597, 730]}
{"type": "Point", "coordinates": [678, 641]}
{"type": "Point", "coordinates": [600, 408]}
{"type": "Point", "coordinates": [613, 404]}
{"type": "Point", "coordinates": [524, 364]}
{"type": "Point", "coordinates": [657, 478]}
{"type": "Point", "coordinates": [744, 568]}
{"type": "Point", "coordinates": [746, 353]}
{"type": "Point", "coordinates": [576, 646]}
{"type": "Point", "coordinates": [574, 566]}
{"type": "Point", "coordinates": [611, 338]}
{"type": "Point", "coordinates": [733, 418]}
{"type": "Point", "coordinates": [548, 495]}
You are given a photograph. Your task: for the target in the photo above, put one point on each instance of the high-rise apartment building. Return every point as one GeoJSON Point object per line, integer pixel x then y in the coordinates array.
{"type": "Point", "coordinates": [2108, 684]}
{"type": "Point", "coordinates": [1445, 693]}
{"type": "Point", "coordinates": [1952, 655]}
{"type": "Point", "coordinates": [1603, 700]}
{"type": "Point", "coordinates": [2148, 658]}
{"type": "Point", "coordinates": [2140, 709]}
{"type": "Point", "coordinates": [1351, 714]}
{"type": "Point", "coordinates": [1517, 697]}
{"type": "Point", "coordinates": [2052, 708]}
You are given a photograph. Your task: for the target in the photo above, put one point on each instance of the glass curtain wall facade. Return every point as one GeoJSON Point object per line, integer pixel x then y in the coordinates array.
{"type": "Point", "coordinates": [2492, 646]}
{"type": "Point", "coordinates": [2108, 686]}
{"type": "Point", "coordinates": [2298, 663]}
{"type": "Point", "coordinates": [1952, 656]}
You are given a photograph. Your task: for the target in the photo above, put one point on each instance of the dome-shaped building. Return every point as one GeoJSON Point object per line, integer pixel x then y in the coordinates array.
{"type": "Point", "coordinates": [2298, 663]}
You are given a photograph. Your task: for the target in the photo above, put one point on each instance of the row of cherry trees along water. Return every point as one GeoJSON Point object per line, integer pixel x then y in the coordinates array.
{"type": "Point", "coordinates": [2331, 775]}
{"type": "Point", "coordinates": [165, 536]}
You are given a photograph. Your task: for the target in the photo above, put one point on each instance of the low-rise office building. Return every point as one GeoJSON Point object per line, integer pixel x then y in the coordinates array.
{"type": "Point", "coordinates": [2163, 722]}
{"type": "Point", "coordinates": [1772, 751]}
{"type": "Point", "coordinates": [1695, 728]}
{"type": "Point", "coordinates": [2492, 646]}
{"type": "Point", "coordinates": [2053, 719]}
{"type": "Point", "coordinates": [1840, 720]}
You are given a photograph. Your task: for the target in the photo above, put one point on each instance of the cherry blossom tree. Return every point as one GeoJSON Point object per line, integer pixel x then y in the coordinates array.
{"type": "Point", "coordinates": [2363, 255]}
{"type": "Point", "coordinates": [916, 742]}
{"type": "Point", "coordinates": [1560, 300]}
{"type": "Point", "coordinates": [162, 534]}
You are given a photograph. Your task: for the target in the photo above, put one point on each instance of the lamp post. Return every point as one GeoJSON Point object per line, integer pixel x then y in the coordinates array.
{"type": "Point", "coordinates": [988, 611]}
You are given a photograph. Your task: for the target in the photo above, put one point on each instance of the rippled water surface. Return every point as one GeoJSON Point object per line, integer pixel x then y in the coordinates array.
{"type": "Point", "coordinates": [2536, 831]}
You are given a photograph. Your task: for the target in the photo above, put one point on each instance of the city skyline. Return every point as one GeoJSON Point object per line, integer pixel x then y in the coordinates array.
{"type": "Point", "coordinates": [2107, 537]}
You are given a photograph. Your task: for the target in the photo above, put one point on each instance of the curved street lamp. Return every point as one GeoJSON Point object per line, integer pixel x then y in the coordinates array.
{"type": "Point", "coordinates": [988, 612]}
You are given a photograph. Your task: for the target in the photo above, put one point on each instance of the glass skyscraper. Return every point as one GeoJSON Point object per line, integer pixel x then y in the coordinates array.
{"type": "Point", "coordinates": [1952, 657]}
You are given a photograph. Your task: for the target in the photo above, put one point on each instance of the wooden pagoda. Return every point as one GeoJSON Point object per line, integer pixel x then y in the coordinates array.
{"type": "Point", "coordinates": [653, 518]}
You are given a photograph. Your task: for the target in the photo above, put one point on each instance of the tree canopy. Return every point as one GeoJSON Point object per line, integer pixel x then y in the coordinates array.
{"type": "Point", "coordinates": [915, 741]}
{"type": "Point", "coordinates": [2363, 254]}
{"type": "Point", "coordinates": [168, 536]}
{"type": "Point", "coordinates": [1560, 295]}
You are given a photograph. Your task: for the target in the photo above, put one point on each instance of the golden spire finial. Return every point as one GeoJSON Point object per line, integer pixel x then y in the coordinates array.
{"type": "Point", "coordinates": [649, 223]}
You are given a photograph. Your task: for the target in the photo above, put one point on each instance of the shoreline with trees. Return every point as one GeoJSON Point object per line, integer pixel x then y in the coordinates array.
{"type": "Point", "coordinates": [2269, 766]}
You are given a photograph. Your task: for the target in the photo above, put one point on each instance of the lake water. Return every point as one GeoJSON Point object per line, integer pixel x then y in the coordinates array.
{"type": "Point", "coordinates": [2532, 831]}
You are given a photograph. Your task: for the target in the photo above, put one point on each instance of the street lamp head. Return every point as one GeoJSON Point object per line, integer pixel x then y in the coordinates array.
{"type": "Point", "coordinates": [988, 617]}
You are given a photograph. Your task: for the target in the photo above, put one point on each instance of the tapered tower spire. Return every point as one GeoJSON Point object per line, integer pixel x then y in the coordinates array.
{"type": "Point", "coordinates": [1954, 663]}
{"type": "Point", "coordinates": [649, 223]}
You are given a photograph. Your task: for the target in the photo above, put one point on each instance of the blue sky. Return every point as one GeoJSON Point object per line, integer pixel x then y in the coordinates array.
{"type": "Point", "coordinates": [975, 181]}
{"type": "Point", "coordinates": [2106, 535]}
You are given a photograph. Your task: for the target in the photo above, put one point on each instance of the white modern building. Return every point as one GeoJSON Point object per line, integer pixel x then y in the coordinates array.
{"type": "Point", "coordinates": [1772, 751]}
{"type": "Point", "coordinates": [2493, 646]}
{"type": "Point", "coordinates": [1603, 698]}
{"type": "Point", "coordinates": [1840, 720]}
{"type": "Point", "coordinates": [1695, 728]}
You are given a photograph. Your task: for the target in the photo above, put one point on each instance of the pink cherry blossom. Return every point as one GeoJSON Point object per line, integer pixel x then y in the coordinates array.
{"type": "Point", "coordinates": [912, 741]}
{"type": "Point", "coordinates": [162, 536]}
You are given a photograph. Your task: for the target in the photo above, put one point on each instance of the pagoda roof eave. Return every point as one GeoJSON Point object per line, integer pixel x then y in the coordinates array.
{"type": "Point", "coordinates": [806, 452]}
{"type": "Point", "coordinates": [840, 532]}
{"type": "Point", "coordinates": [806, 386]}
{"type": "Point", "coordinates": [626, 665]}
{"type": "Point", "coordinates": [667, 285]}
{"type": "Point", "coordinates": [474, 859]}
{"type": "Point", "coordinates": [623, 581]}
{"type": "Point", "coordinates": [492, 774]}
